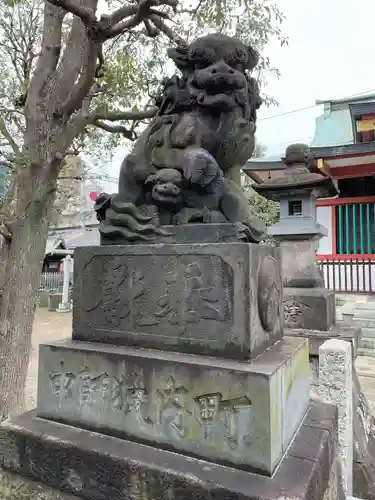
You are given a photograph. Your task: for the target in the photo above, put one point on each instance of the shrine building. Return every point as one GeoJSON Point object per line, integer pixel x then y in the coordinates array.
{"type": "Point", "coordinates": [344, 146]}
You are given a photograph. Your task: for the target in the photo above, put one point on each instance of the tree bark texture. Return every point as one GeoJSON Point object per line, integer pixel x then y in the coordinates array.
{"type": "Point", "coordinates": [56, 112]}
{"type": "Point", "coordinates": [46, 139]}
{"type": "Point", "coordinates": [20, 292]}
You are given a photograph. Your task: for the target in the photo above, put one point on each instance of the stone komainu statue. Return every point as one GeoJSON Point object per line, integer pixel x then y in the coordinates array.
{"type": "Point", "coordinates": [185, 167]}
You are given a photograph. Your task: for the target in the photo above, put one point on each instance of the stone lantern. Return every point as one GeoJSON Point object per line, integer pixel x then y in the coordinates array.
{"type": "Point", "coordinates": [307, 304]}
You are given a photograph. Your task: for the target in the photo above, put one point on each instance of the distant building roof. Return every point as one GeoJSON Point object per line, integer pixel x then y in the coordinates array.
{"type": "Point", "coordinates": [333, 128]}
{"type": "Point", "coordinates": [335, 135]}
{"type": "Point", "coordinates": [369, 96]}
{"type": "Point", "coordinates": [78, 237]}
{"type": "Point", "coordinates": [54, 243]}
{"type": "Point", "coordinates": [336, 126]}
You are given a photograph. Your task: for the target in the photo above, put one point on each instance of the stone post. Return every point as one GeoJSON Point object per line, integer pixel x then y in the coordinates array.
{"type": "Point", "coordinates": [65, 306]}
{"type": "Point", "coordinates": [335, 387]}
{"type": "Point", "coordinates": [307, 304]}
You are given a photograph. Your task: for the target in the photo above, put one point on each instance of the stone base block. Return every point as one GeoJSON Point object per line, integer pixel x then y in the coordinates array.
{"type": "Point", "coordinates": [221, 299]}
{"type": "Point", "coordinates": [240, 413]}
{"type": "Point", "coordinates": [309, 308]}
{"type": "Point", "coordinates": [318, 337]}
{"type": "Point", "coordinates": [98, 467]}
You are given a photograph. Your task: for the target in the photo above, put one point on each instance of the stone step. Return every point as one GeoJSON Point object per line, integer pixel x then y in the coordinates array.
{"type": "Point", "coordinates": [361, 323]}
{"type": "Point", "coordinates": [365, 306]}
{"type": "Point", "coordinates": [366, 352]}
{"type": "Point", "coordinates": [367, 343]}
{"type": "Point", "coordinates": [364, 314]}
{"type": "Point", "coordinates": [347, 309]}
{"type": "Point", "coordinates": [368, 332]}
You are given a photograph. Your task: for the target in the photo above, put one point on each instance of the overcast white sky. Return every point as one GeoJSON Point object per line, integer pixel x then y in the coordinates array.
{"type": "Point", "coordinates": [331, 54]}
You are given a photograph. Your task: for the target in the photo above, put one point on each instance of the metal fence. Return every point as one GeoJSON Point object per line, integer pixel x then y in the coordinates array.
{"type": "Point", "coordinates": [51, 281]}
{"type": "Point", "coordinates": [349, 275]}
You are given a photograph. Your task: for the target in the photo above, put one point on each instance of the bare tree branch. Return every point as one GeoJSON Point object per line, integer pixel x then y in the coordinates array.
{"type": "Point", "coordinates": [85, 82]}
{"type": "Point", "coordinates": [12, 143]}
{"type": "Point", "coordinates": [114, 116]}
{"type": "Point", "coordinates": [51, 46]}
{"type": "Point", "coordinates": [161, 26]}
{"type": "Point", "coordinates": [115, 129]}
{"type": "Point", "coordinates": [72, 6]}
{"type": "Point", "coordinates": [72, 60]}
{"type": "Point", "coordinates": [136, 14]}
{"type": "Point", "coordinates": [118, 15]}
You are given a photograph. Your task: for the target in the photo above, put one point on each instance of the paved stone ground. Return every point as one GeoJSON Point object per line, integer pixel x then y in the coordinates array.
{"type": "Point", "coordinates": [53, 326]}
{"type": "Point", "coordinates": [47, 326]}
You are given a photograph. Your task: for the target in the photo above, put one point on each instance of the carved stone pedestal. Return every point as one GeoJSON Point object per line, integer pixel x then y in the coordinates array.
{"type": "Point", "coordinates": [241, 414]}
{"type": "Point", "coordinates": [178, 382]}
{"type": "Point", "coordinates": [309, 308]}
{"type": "Point", "coordinates": [221, 299]}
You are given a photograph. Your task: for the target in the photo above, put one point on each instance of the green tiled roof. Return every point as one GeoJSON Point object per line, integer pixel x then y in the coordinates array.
{"type": "Point", "coordinates": [333, 129]}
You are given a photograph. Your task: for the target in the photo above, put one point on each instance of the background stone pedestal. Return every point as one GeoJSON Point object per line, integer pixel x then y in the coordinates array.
{"type": "Point", "coordinates": [309, 308]}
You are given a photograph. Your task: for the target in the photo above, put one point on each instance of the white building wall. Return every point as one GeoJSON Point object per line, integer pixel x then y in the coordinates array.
{"type": "Point", "coordinates": [324, 217]}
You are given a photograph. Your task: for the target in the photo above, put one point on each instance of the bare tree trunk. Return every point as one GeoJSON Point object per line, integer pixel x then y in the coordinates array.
{"type": "Point", "coordinates": [24, 261]}
{"type": "Point", "coordinates": [56, 111]}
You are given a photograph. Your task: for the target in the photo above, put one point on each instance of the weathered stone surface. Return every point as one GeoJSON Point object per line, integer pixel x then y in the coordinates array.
{"type": "Point", "coordinates": [300, 268]}
{"type": "Point", "coordinates": [318, 337]}
{"type": "Point", "coordinates": [309, 308]}
{"type": "Point", "coordinates": [336, 387]}
{"type": "Point", "coordinates": [301, 226]}
{"type": "Point", "coordinates": [244, 414]}
{"type": "Point", "coordinates": [335, 488]}
{"type": "Point", "coordinates": [188, 233]}
{"type": "Point", "coordinates": [186, 165]}
{"type": "Point", "coordinates": [16, 487]}
{"type": "Point", "coordinates": [364, 444]}
{"type": "Point", "coordinates": [218, 299]}
{"type": "Point", "coordinates": [105, 467]}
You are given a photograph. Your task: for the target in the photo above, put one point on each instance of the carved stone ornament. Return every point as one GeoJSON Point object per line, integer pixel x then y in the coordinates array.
{"type": "Point", "coordinates": [269, 294]}
{"type": "Point", "coordinates": [183, 167]}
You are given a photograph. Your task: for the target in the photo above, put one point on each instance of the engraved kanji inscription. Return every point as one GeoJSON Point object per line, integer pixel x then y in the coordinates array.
{"type": "Point", "coordinates": [225, 419]}
{"type": "Point", "coordinates": [90, 387]}
{"type": "Point", "coordinates": [208, 407]}
{"type": "Point", "coordinates": [129, 395]}
{"type": "Point", "coordinates": [293, 311]}
{"type": "Point", "coordinates": [123, 295]}
{"type": "Point", "coordinates": [169, 304]}
{"type": "Point", "coordinates": [167, 407]}
{"type": "Point", "coordinates": [172, 409]}
{"type": "Point", "coordinates": [198, 301]}
{"type": "Point", "coordinates": [62, 383]}
{"type": "Point", "coordinates": [165, 296]}
{"type": "Point", "coordinates": [236, 417]}
{"type": "Point", "coordinates": [201, 300]}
